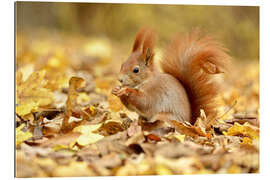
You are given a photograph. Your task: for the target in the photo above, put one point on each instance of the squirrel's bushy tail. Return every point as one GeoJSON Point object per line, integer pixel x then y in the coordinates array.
{"type": "Point", "coordinates": [194, 61]}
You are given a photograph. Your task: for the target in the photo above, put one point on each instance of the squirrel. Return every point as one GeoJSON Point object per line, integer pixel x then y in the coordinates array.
{"type": "Point", "coordinates": [185, 85]}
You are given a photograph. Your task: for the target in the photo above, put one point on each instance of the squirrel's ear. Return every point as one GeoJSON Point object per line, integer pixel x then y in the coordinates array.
{"type": "Point", "coordinates": [139, 39]}
{"type": "Point", "coordinates": [148, 48]}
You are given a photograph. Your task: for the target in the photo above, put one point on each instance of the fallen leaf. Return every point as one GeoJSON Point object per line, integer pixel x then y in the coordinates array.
{"type": "Point", "coordinates": [22, 136]}
{"type": "Point", "coordinates": [65, 139]}
{"type": "Point", "coordinates": [74, 84]}
{"type": "Point", "coordinates": [246, 140]}
{"type": "Point", "coordinates": [115, 103]}
{"type": "Point", "coordinates": [82, 98]}
{"type": "Point", "coordinates": [92, 110]}
{"type": "Point", "coordinates": [180, 137]}
{"type": "Point", "coordinates": [72, 108]}
{"type": "Point", "coordinates": [153, 137]}
{"type": "Point", "coordinates": [88, 137]}
{"type": "Point", "coordinates": [87, 128]}
{"type": "Point", "coordinates": [31, 94]}
{"type": "Point", "coordinates": [188, 129]}
{"type": "Point", "coordinates": [112, 127]}
{"type": "Point", "coordinates": [245, 130]}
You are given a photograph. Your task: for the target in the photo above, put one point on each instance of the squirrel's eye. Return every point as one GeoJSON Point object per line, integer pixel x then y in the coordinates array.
{"type": "Point", "coordinates": [136, 70]}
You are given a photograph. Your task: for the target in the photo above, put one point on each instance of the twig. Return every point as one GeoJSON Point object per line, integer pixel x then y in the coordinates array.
{"type": "Point", "coordinates": [235, 102]}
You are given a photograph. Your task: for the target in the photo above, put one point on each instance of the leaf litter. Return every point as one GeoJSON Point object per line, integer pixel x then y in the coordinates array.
{"type": "Point", "coordinates": [68, 124]}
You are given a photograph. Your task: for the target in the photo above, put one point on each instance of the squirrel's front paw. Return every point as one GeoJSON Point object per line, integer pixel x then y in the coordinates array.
{"type": "Point", "coordinates": [119, 91]}
{"type": "Point", "coordinates": [115, 90]}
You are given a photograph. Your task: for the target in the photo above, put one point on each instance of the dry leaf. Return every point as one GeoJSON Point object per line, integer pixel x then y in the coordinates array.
{"type": "Point", "coordinates": [243, 130]}
{"type": "Point", "coordinates": [115, 103]}
{"type": "Point", "coordinates": [31, 94]}
{"type": "Point", "coordinates": [188, 129]}
{"type": "Point", "coordinates": [180, 137]}
{"type": "Point", "coordinates": [112, 127]}
{"type": "Point", "coordinates": [102, 137]}
{"type": "Point", "coordinates": [65, 139]}
{"type": "Point", "coordinates": [22, 136]}
{"type": "Point", "coordinates": [153, 137]}
{"type": "Point", "coordinates": [88, 137]}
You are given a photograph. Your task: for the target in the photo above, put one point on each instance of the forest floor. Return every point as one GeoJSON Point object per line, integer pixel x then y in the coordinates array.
{"type": "Point", "coordinates": [62, 78]}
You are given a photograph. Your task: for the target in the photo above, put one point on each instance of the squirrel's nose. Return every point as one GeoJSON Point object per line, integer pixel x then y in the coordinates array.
{"type": "Point", "coordinates": [120, 79]}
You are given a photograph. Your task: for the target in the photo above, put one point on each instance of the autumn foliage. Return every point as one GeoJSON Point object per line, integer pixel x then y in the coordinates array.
{"type": "Point", "coordinates": [69, 124]}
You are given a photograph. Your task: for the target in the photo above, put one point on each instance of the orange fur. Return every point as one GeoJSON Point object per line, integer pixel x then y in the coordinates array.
{"type": "Point", "coordinates": [139, 39]}
{"type": "Point", "coordinates": [185, 59]}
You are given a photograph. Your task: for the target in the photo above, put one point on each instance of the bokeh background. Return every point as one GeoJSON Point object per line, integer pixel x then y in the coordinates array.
{"type": "Point", "coordinates": [237, 27]}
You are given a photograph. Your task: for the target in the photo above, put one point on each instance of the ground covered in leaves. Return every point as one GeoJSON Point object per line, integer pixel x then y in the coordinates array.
{"type": "Point", "coordinates": [69, 124]}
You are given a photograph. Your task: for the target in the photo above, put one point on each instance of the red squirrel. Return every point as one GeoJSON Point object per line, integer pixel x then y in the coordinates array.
{"type": "Point", "coordinates": [185, 85]}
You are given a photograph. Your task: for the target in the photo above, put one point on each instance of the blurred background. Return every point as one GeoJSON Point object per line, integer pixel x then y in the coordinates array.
{"type": "Point", "coordinates": [237, 27]}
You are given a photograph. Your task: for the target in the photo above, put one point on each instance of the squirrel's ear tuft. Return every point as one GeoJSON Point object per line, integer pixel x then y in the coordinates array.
{"type": "Point", "coordinates": [148, 47]}
{"type": "Point", "coordinates": [139, 39]}
{"type": "Point", "coordinates": [147, 56]}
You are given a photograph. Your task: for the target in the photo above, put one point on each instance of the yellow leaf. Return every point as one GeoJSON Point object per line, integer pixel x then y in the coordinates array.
{"type": "Point", "coordinates": [83, 97]}
{"type": "Point", "coordinates": [26, 71]}
{"type": "Point", "coordinates": [64, 149]}
{"type": "Point", "coordinates": [246, 140]}
{"type": "Point", "coordinates": [22, 136]}
{"type": "Point", "coordinates": [87, 128]}
{"type": "Point", "coordinates": [87, 136]}
{"type": "Point", "coordinates": [58, 147]}
{"type": "Point", "coordinates": [31, 94]}
{"type": "Point", "coordinates": [91, 110]}
{"type": "Point", "coordinates": [243, 130]}
{"type": "Point", "coordinates": [115, 103]}
{"type": "Point", "coordinates": [180, 137]}
{"type": "Point", "coordinates": [26, 108]}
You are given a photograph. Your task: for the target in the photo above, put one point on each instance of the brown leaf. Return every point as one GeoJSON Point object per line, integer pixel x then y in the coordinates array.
{"type": "Point", "coordinates": [112, 127]}
{"type": "Point", "coordinates": [65, 139]}
{"type": "Point", "coordinates": [153, 137]}
{"type": "Point", "coordinates": [188, 129]}
{"type": "Point", "coordinates": [72, 108]}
